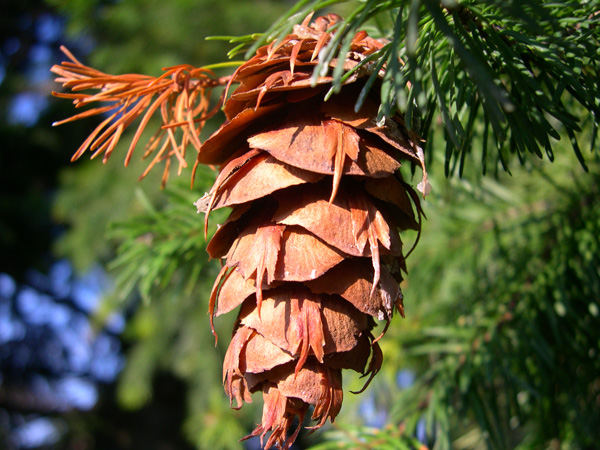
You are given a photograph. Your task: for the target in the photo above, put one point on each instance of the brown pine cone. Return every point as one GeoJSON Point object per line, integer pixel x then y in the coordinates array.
{"type": "Point", "coordinates": [311, 251]}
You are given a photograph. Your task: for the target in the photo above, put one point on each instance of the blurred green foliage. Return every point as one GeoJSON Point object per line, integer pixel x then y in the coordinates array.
{"type": "Point", "coordinates": [503, 288]}
{"type": "Point", "coordinates": [504, 337]}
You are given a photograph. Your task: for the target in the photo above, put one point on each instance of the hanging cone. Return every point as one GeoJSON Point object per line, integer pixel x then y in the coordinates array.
{"type": "Point", "coordinates": [311, 251]}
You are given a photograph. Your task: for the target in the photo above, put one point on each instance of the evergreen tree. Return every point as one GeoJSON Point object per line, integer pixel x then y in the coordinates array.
{"type": "Point", "coordinates": [503, 288]}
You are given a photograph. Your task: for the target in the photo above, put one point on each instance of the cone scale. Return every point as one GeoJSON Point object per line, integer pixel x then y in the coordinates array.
{"type": "Point", "coordinates": [311, 252]}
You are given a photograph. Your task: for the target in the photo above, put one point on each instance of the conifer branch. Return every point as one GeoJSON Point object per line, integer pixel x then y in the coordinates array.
{"type": "Point", "coordinates": [181, 96]}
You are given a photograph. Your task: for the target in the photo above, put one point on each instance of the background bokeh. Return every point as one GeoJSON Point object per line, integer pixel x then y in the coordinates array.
{"type": "Point", "coordinates": [58, 362]}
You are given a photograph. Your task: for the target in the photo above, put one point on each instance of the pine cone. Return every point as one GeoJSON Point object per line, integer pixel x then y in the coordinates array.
{"type": "Point", "coordinates": [311, 251]}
